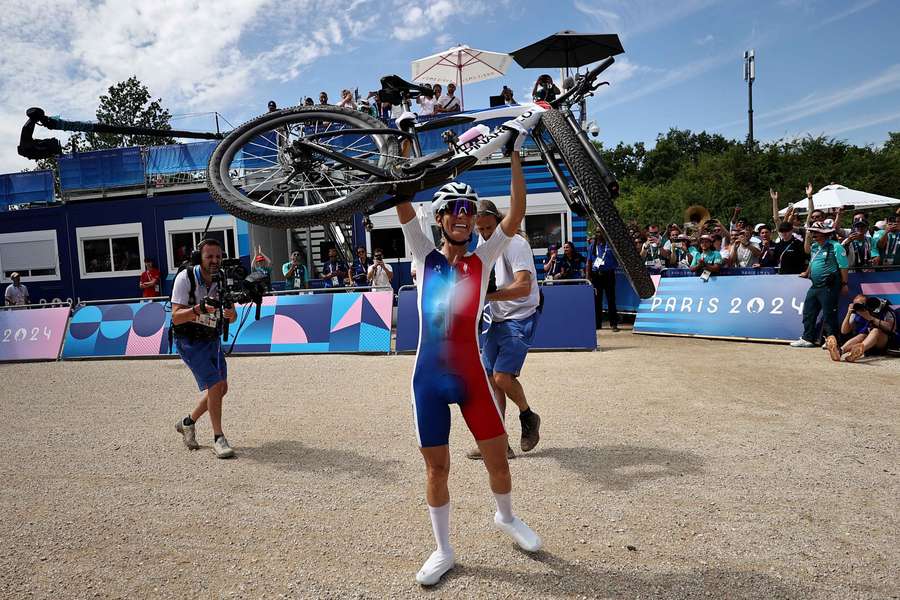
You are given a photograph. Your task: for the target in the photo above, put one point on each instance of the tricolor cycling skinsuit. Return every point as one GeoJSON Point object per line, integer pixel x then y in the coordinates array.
{"type": "Point", "coordinates": [448, 363]}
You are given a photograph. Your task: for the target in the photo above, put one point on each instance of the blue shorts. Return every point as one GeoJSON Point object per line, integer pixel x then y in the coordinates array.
{"type": "Point", "coordinates": [205, 359]}
{"type": "Point", "coordinates": [506, 344]}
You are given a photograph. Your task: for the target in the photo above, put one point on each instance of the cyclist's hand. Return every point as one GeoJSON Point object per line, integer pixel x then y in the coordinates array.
{"type": "Point", "coordinates": [519, 131]}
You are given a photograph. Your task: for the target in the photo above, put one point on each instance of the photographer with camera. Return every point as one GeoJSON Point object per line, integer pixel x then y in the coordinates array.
{"type": "Point", "coordinates": [887, 241]}
{"type": "Point", "coordinates": [651, 250]}
{"type": "Point", "coordinates": [544, 89]}
{"type": "Point", "coordinates": [380, 273]}
{"type": "Point", "coordinates": [197, 320]}
{"type": "Point", "coordinates": [873, 323]}
{"type": "Point", "coordinates": [858, 244]}
{"type": "Point", "coordinates": [678, 250]}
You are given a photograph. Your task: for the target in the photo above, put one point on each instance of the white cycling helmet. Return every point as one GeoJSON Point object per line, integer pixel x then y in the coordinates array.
{"type": "Point", "coordinates": [455, 190]}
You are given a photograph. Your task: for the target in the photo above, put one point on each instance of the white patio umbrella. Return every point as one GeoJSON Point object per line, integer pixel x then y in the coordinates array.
{"type": "Point", "coordinates": [462, 65]}
{"type": "Point", "coordinates": [834, 196]}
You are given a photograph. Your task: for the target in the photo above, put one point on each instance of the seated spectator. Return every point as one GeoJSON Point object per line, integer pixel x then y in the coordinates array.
{"type": "Point", "coordinates": [745, 253]}
{"type": "Point", "coordinates": [766, 256]}
{"type": "Point", "coordinates": [334, 271]}
{"type": "Point", "coordinates": [448, 103]}
{"type": "Point", "coordinates": [272, 106]}
{"type": "Point", "coordinates": [858, 245]}
{"type": "Point", "coordinates": [789, 255]}
{"type": "Point", "coordinates": [347, 100]}
{"type": "Point", "coordinates": [872, 324]}
{"type": "Point", "coordinates": [323, 99]}
{"type": "Point", "coordinates": [380, 273]}
{"type": "Point", "coordinates": [544, 89]}
{"type": "Point", "coordinates": [360, 268]}
{"type": "Point", "coordinates": [507, 95]}
{"type": "Point", "coordinates": [552, 263]}
{"type": "Point", "coordinates": [708, 260]}
{"type": "Point", "coordinates": [308, 102]}
{"type": "Point", "coordinates": [426, 103]}
{"type": "Point", "coordinates": [887, 241]}
{"type": "Point", "coordinates": [726, 248]}
{"type": "Point", "coordinates": [294, 272]}
{"type": "Point", "coordinates": [571, 263]}
{"type": "Point", "coordinates": [651, 250]}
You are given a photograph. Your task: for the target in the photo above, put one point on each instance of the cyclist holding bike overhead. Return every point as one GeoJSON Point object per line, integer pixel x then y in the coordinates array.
{"type": "Point", "coordinates": [452, 283]}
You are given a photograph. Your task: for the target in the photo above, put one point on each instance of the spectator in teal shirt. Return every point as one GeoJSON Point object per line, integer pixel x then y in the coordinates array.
{"type": "Point", "coordinates": [294, 273]}
{"type": "Point", "coordinates": [828, 273]}
{"type": "Point", "coordinates": [708, 259]}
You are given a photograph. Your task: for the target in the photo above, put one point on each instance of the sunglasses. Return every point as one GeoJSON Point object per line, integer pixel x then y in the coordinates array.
{"type": "Point", "coordinates": [459, 207]}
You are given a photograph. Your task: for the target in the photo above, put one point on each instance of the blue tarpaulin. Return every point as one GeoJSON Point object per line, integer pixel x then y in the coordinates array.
{"type": "Point", "coordinates": [179, 158]}
{"type": "Point", "coordinates": [19, 188]}
{"type": "Point", "coordinates": [118, 167]}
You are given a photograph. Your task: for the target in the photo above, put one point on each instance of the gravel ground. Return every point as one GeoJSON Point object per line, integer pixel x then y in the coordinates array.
{"type": "Point", "coordinates": [668, 468]}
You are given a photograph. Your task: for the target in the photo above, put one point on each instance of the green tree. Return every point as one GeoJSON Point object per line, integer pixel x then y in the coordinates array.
{"type": "Point", "coordinates": [127, 103]}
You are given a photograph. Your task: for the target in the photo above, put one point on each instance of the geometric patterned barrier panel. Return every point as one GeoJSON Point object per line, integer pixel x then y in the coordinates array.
{"type": "Point", "coordinates": [32, 334]}
{"type": "Point", "coordinates": [133, 329]}
{"type": "Point", "coordinates": [340, 322]}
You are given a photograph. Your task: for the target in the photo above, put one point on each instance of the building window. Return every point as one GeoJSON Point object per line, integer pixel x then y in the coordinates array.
{"type": "Point", "coordinates": [544, 230]}
{"type": "Point", "coordinates": [390, 240]}
{"type": "Point", "coordinates": [110, 251]}
{"type": "Point", "coordinates": [184, 235]}
{"type": "Point", "coordinates": [32, 254]}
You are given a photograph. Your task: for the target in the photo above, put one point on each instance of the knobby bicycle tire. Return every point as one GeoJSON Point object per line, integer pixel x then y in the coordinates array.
{"type": "Point", "coordinates": [296, 216]}
{"type": "Point", "coordinates": [598, 203]}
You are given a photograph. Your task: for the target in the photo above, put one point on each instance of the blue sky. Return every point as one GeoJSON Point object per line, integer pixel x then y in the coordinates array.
{"type": "Point", "coordinates": [823, 67]}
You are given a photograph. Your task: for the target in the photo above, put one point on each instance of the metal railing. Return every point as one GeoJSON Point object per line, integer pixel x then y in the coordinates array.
{"type": "Point", "coordinates": [563, 281]}
{"type": "Point", "coordinates": [322, 290]}
{"type": "Point", "coordinates": [122, 300]}
{"type": "Point", "coordinates": [60, 304]}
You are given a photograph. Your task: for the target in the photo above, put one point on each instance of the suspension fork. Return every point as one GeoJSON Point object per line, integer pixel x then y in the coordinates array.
{"type": "Point", "coordinates": [556, 172]}
{"type": "Point", "coordinates": [609, 180]}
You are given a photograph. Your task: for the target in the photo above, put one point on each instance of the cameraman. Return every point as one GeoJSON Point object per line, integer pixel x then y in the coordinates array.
{"type": "Point", "coordinates": [873, 324]}
{"type": "Point", "coordinates": [197, 326]}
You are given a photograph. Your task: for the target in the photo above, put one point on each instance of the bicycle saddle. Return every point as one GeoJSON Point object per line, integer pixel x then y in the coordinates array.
{"type": "Point", "coordinates": [394, 84]}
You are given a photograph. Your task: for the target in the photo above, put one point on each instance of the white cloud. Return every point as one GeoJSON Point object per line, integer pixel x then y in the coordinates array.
{"type": "Point", "coordinates": [859, 6]}
{"type": "Point", "coordinates": [627, 17]}
{"type": "Point", "coordinates": [419, 19]}
{"type": "Point", "coordinates": [194, 54]}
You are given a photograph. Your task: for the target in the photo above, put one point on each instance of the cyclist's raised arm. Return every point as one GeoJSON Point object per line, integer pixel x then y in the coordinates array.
{"type": "Point", "coordinates": [405, 211]}
{"type": "Point", "coordinates": [513, 219]}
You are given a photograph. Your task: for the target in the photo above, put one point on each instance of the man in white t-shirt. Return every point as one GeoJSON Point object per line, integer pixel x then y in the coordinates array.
{"type": "Point", "coordinates": [16, 293]}
{"type": "Point", "coordinates": [380, 273]}
{"type": "Point", "coordinates": [515, 309]}
{"type": "Point", "coordinates": [448, 103]}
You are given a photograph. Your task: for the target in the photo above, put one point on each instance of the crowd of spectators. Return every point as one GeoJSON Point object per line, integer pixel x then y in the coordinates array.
{"type": "Point", "coordinates": [432, 102]}
{"type": "Point", "coordinates": [710, 246]}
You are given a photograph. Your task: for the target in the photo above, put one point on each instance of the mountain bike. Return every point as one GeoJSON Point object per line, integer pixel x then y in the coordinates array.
{"type": "Point", "coordinates": [315, 165]}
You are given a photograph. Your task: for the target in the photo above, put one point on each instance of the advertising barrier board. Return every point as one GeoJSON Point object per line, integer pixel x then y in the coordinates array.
{"type": "Point", "coordinates": [566, 323]}
{"type": "Point", "coordinates": [35, 334]}
{"type": "Point", "coordinates": [128, 329]}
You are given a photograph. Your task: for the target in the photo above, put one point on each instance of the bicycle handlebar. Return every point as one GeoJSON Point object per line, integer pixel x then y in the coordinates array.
{"type": "Point", "coordinates": [583, 85]}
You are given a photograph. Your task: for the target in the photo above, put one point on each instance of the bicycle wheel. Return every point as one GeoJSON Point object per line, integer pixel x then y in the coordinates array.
{"type": "Point", "coordinates": [597, 201]}
{"type": "Point", "coordinates": [259, 175]}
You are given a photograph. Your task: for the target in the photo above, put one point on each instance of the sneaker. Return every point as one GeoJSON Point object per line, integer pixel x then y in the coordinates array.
{"type": "Point", "coordinates": [435, 567]}
{"type": "Point", "coordinates": [831, 344]}
{"type": "Point", "coordinates": [527, 539]}
{"type": "Point", "coordinates": [188, 434]}
{"type": "Point", "coordinates": [222, 448]}
{"type": "Point", "coordinates": [531, 431]}
{"type": "Point", "coordinates": [476, 454]}
{"type": "Point", "coordinates": [801, 343]}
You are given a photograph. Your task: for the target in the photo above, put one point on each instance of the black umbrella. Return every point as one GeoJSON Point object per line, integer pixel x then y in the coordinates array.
{"type": "Point", "coordinates": [568, 49]}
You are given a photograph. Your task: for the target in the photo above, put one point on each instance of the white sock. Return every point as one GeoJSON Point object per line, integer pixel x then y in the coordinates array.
{"type": "Point", "coordinates": [504, 506]}
{"type": "Point", "coordinates": [440, 525]}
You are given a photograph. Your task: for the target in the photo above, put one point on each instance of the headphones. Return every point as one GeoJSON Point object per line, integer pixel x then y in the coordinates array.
{"type": "Point", "coordinates": [198, 253]}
